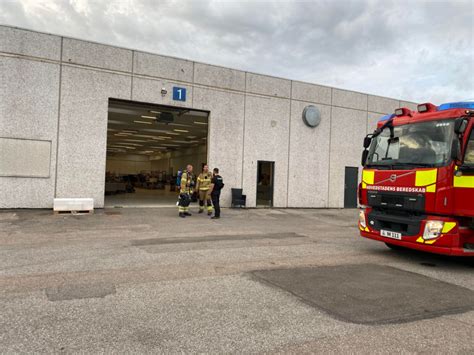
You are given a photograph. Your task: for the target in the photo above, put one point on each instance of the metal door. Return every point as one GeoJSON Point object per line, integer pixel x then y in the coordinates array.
{"type": "Point", "coordinates": [350, 187]}
{"type": "Point", "coordinates": [265, 180]}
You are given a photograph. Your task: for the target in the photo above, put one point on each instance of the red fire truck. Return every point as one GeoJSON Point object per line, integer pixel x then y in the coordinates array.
{"type": "Point", "coordinates": [417, 188]}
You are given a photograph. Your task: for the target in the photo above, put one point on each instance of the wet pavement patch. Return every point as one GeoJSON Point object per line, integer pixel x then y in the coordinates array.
{"type": "Point", "coordinates": [79, 291]}
{"type": "Point", "coordinates": [214, 238]}
{"type": "Point", "coordinates": [371, 294]}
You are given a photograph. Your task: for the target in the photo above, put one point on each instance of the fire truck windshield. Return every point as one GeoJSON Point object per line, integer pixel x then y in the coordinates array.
{"type": "Point", "coordinates": [423, 144]}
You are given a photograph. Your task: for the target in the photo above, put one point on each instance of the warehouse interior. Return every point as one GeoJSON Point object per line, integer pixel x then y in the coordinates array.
{"type": "Point", "coordinates": [146, 147]}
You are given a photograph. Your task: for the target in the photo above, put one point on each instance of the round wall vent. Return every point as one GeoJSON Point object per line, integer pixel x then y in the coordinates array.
{"type": "Point", "coordinates": [311, 116]}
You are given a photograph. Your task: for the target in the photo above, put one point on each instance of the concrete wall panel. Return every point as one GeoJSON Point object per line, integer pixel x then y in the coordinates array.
{"type": "Point", "coordinates": [382, 104]}
{"type": "Point", "coordinates": [311, 93]}
{"type": "Point", "coordinates": [29, 98]}
{"type": "Point", "coordinates": [149, 90]}
{"type": "Point", "coordinates": [163, 67]}
{"type": "Point", "coordinates": [25, 158]}
{"type": "Point", "coordinates": [309, 159]}
{"type": "Point", "coordinates": [268, 85]}
{"type": "Point", "coordinates": [96, 55]}
{"type": "Point", "coordinates": [266, 138]}
{"type": "Point", "coordinates": [348, 129]}
{"type": "Point", "coordinates": [349, 99]}
{"type": "Point", "coordinates": [219, 77]}
{"type": "Point", "coordinates": [28, 109]}
{"type": "Point", "coordinates": [29, 43]}
{"type": "Point", "coordinates": [83, 130]}
{"type": "Point", "coordinates": [226, 124]}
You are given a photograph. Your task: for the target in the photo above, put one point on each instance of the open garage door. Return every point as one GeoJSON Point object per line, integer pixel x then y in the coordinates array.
{"type": "Point", "coordinates": [146, 147]}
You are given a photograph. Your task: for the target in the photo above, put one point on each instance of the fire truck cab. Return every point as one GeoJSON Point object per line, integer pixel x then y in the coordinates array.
{"type": "Point", "coordinates": [417, 188]}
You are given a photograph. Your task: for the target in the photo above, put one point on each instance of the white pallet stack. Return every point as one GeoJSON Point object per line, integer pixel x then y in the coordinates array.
{"type": "Point", "coordinates": [73, 205]}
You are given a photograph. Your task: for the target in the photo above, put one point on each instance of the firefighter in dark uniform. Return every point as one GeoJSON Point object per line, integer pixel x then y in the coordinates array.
{"type": "Point", "coordinates": [217, 183]}
{"type": "Point", "coordinates": [203, 188]}
{"type": "Point", "coordinates": [185, 192]}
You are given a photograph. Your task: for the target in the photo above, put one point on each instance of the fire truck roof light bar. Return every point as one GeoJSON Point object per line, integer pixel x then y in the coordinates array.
{"type": "Point", "coordinates": [426, 107]}
{"type": "Point", "coordinates": [386, 117]}
{"type": "Point", "coordinates": [451, 105]}
{"type": "Point", "coordinates": [402, 111]}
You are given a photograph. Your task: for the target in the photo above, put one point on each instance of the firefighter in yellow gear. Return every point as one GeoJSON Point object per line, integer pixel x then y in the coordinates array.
{"type": "Point", "coordinates": [204, 189]}
{"type": "Point", "coordinates": [185, 191]}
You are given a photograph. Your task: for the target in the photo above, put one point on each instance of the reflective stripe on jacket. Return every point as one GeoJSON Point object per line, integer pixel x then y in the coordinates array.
{"type": "Point", "coordinates": [186, 181]}
{"type": "Point", "coordinates": [204, 181]}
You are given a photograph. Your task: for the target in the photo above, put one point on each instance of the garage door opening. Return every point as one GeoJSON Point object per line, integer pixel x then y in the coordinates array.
{"type": "Point", "coordinates": [146, 147]}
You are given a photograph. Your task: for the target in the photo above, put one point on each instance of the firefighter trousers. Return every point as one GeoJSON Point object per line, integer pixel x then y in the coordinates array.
{"type": "Point", "coordinates": [184, 202]}
{"type": "Point", "coordinates": [204, 195]}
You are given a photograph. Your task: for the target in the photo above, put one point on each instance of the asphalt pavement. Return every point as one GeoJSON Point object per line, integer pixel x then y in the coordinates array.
{"type": "Point", "coordinates": [255, 281]}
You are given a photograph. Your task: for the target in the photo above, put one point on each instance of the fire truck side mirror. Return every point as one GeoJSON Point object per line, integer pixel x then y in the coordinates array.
{"type": "Point", "coordinates": [367, 141]}
{"type": "Point", "coordinates": [460, 125]}
{"type": "Point", "coordinates": [365, 154]}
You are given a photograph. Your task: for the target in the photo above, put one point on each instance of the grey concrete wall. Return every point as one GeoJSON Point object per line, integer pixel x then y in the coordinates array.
{"type": "Point", "coordinates": [348, 127]}
{"type": "Point", "coordinates": [57, 89]}
{"type": "Point", "coordinates": [266, 138]}
{"type": "Point", "coordinates": [148, 90]}
{"type": "Point", "coordinates": [25, 158]}
{"type": "Point", "coordinates": [29, 110]}
{"type": "Point", "coordinates": [83, 130]}
{"type": "Point", "coordinates": [226, 134]}
{"type": "Point", "coordinates": [30, 43]}
{"type": "Point", "coordinates": [308, 175]}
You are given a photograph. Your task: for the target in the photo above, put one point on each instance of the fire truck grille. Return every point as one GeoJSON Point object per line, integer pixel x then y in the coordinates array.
{"type": "Point", "coordinates": [396, 201]}
{"type": "Point", "coordinates": [392, 200]}
{"type": "Point", "coordinates": [406, 224]}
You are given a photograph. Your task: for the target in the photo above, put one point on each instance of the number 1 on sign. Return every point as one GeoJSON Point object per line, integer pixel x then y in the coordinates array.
{"type": "Point", "coordinates": [179, 94]}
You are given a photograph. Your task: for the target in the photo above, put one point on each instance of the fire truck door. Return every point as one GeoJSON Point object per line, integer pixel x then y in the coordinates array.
{"type": "Point", "coordinates": [464, 181]}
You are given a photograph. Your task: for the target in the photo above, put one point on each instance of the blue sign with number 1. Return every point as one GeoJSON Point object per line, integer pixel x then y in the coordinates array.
{"type": "Point", "coordinates": [179, 94]}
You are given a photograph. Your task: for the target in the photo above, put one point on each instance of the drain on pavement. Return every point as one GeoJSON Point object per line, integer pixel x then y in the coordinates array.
{"type": "Point", "coordinates": [371, 294]}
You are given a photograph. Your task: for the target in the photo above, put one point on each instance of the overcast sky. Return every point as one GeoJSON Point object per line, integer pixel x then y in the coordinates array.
{"type": "Point", "coordinates": [414, 50]}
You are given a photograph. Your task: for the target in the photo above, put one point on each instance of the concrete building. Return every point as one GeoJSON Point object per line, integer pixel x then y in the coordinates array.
{"type": "Point", "coordinates": [58, 95]}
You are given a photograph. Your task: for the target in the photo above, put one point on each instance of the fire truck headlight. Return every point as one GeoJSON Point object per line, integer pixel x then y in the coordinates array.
{"type": "Point", "coordinates": [362, 221]}
{"type": "Point", "coordinates": [433, 229]}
